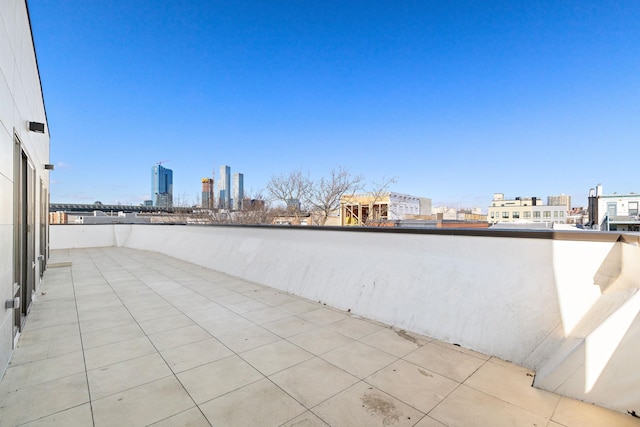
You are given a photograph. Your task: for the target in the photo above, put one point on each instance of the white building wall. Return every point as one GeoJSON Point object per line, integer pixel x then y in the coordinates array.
{"type": "Point", "coordinates": [401, 205]}
{"type": "Point", "coordinates": [621, 203]}
{"type": "Point", "coordinates": [20, 102]}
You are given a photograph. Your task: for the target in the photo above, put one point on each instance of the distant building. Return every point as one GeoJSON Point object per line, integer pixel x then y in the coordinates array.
{"type": "Point", "coordinates": [58, 218]}
{"type": "Point", "coordinates": [578, 216]}
{"type": "Point", "coordinates": [445, 213]}
{"type": "Point", "coordinates": [224, 188]}
{"type": "Point", "coordinates": [369, 208]}
{"type": "Point", "coordinates": [162, 186]}
{"type": "Point", "coordinates": [301, 219]}
{"type": "Point", "coordinates": [613, 212]}
{"type": "Point", "coordinates": [208, 190]}
{"type": "Point", "coordinates": [524, 209]}
{"type": "Point", "coordinates": [238, 191]}
{"type": "Point", "coordinates": [561, 200]}
{"type": "Point", "coordinates": [293, 204]}
{"type": "Point", "coordinates": [252, 204]}
{"type": "Point", "coordinates": [100, 217]}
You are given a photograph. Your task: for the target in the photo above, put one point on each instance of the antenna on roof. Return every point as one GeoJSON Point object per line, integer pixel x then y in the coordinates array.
{"type": "Point", "coordinates": [161, 162]}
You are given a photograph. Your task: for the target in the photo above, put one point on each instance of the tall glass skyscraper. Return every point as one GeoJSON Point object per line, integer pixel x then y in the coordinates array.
{"type": "Point", "coordinates": [238, 191]}
{"type": "Point", "coordinates": [224, 188]}
{"type": "Point", "coordinates": [162, 186]}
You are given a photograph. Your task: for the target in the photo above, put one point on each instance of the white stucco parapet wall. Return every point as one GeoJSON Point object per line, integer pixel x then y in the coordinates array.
{"type": "Point", "coordinates": [563, 304]}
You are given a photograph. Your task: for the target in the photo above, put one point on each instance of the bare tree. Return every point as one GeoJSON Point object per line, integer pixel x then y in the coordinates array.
{"type": "Point", "coordinates": [379, 190]}
{"type": "Point", "coordinates": [292, 189]}
{"type": "Point", "coordinates": [255, 210]}
{"type": "Point", "coordinates": [324, 195]}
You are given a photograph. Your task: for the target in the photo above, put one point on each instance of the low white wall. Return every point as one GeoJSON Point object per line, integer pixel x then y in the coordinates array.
{"type": "Point", "coordinates": [519, 299]}
{"type": "Point", "coordinates": [78, 236]}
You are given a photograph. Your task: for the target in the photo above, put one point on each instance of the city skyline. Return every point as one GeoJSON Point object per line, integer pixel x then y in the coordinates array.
{"type": "Point", "coordinates": [458, 101]}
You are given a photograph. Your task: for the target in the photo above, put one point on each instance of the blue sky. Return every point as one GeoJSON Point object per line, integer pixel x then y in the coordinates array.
{"type": "Point", "coordinates": [458, 100]}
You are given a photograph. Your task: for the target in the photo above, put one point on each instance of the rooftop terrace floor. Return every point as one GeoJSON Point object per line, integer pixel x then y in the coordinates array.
{"type": "Point", "coordinates": [125, 337]}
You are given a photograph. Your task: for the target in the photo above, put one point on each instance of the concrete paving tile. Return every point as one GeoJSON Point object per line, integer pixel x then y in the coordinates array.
{"type": "Point", "coordinates": [42, 371]}
{"type": "Point", "coordinates": [358, 359]}
{"type": "Point", "coordinates": [323, 316]}
{"type": "Point", "coordinates": [124, 375]}
{"type": "Point", "coordinates": [64, 303]}
{"type": "Point", "coordinates": [354, 328]}
{"type": "Point", "coordinates": [214, 379]}
{"type": "Point", "coordinates": [50, 317]}
{"type": "Point", "coordinates": [242, 287]}
{"type": "Point", "coordinates": [44, 349]}
{"type": "Point", "coordinates": [143, 405]}
{"type": "Point", "coordinates": [272, 297]}
{"type": "Point", "coordinates": [413, 385]}
{"type": "Point", "coordinates": [574, 413]}
{"type": "Point", "coordinates": [101, 301]}
{"type": "Point", "coordinates": [247, 306]}
{"type": "Point", "coordinates": [307, 419]}
{"type": "Point", "coordinates": [258, 404]}
{"type": "Point", "coordinates": [393, 342]}
{"type": "Point", "coordinates": [111, 335]}
{"type": "Point", "coordinates": [226, 324]}
{"type": "Point", "coordinates": [445, 361]}
{"type": "Point", "coordinates": [231, 299]}
{"type": "Point", "coordinates": [192, 302]}
{"type": "Point", "coordinates": [136, 305]}
{"type": "Point", "coordinates": [137, 295]}
{"type": "Point", "coordinates": [289, 326]}
{"type": "Point", "coordinates": [499, 361]}
{"type": "Point", "coordinates": [91, 292]}
{"type": "Point", "coordinates": [189, 356]}
{"type": "Point", "coordinates": [154, 313]}
{"type": "Point", "coordinates": [246, 339]}
{"type": "Point", "coordinates": [320, 340]}
{"type": "Point", "coordinates": [211, 313]}
{"type": "Point", "coordinates": [313, 381]}
{"type": "Point", "coordinates": [427, 421]}
{"type": "Point", "coordinates": [465, 406]}
{"type": "Point", "coordinates": [32, 403]}
{"type": "Point", "coordinates": [165, 323]}
{"type": "Point", "coordinates": [215, 291]}
{"type": "Point", "coordinates": [265, 315]}
{"type": "Point", "coordinates": [170, 293]}
{"type": "Point", "coordinates": [104, 313]}
{"type": "Point", "coordinates": [180, 336]}
{"type": "Point", "coordinates": [100, 324]}
{"type": "Point", "coordinates": [299, 306]}
{"type": "Point", "coordinates": [109, 354]}
{"type": "Point", "coordinates": [53, 297]}
{"type": "Point", "coordinates": [190, 418]}
{"type": "Point", "coordinates": [512, 384]}
{"type": "Point", "coordinates": [78, 416]}
{"type": "Point", "coordinates": [363, 405]}
{"type": "Point", "coordinates": [274, 357]}
{"type": "Point", "coordinates": [462, 349]}
{"type": "Point", "coordinates": [45, 334]}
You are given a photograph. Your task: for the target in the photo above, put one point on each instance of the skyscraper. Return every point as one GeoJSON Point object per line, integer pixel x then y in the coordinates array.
{"type": "Point", "coordinates": [207, 193]}
{"type": "Point", "coordinates": [162, 186]}
{"type": "Point", "coordinates": [238, 191]}
{"type": "Point", "coordinates": [224, 188]}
